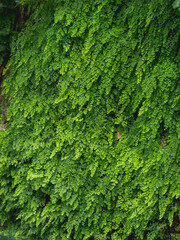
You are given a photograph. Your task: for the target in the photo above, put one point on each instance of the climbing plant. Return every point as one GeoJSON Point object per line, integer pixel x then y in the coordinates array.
{"type": "Point", "coordinates": [90, 150]}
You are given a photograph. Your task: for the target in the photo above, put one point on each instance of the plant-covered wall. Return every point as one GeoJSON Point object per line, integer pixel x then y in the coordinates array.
{"type": "Point", "coordinates": [90, 150]}
{"type": "Point", "coordinates": [13, 16]}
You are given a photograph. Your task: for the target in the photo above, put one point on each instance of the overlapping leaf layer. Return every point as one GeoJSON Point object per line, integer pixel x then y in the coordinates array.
{"type": "Point", "coordinates": [91, 147]}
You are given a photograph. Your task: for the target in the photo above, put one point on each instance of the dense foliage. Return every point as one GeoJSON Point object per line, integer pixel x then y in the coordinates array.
{"type": "Point", "coordinates": [91, 146]}
{"type": "Point", "coordinates": [11, 17]}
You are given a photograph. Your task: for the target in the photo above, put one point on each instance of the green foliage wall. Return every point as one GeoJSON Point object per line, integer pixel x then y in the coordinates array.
{"type": "Point", "coordinates": [91, 146]}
